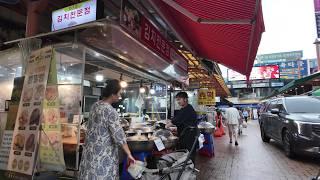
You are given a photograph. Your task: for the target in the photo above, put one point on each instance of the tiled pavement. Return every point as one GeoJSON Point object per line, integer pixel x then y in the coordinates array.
{"type": "Point", "coordinates": [254, 160]}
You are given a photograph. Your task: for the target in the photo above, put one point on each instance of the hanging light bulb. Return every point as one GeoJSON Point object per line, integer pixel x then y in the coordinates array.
{"type": "Point", "coordinates": [152, 90]}
{"type": "Point", "coordinates": [123, 83]}
{"type": "Point", "coordinates": [142, 89]}
{"type": "Point", "coordinates": [99, 77]}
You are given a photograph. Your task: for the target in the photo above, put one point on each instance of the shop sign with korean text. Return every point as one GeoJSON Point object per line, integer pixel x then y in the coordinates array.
{"type": "Point", "coordinates": [23, 154]}
{"type": "Point", "coordinates": [317, 15]}
{"type": "Point", "coordinates": [293, 69]}
{"type": "Point", "coordinates": [74, 15]}
{"type": "Point", "coordinates": [206, 96]}
{"type": "Point", "coordinates": [140, 27]}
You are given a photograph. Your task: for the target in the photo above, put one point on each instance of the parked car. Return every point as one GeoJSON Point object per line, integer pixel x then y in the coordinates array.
{"type": "Point", "coordinates": [294, 122]}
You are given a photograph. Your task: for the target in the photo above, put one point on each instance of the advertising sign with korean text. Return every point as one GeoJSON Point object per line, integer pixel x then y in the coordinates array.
{"type": "Point", "coordinates": [74, 15]}
{"type": "Point", "coordinates": [276, 57]}
{"type": "Point", "coordinates": [141, 28]}
{"type": "Point", "coordinates": [257, 73]}
{"type": "Point", "coordinates": [207, 96]}
{"type": "Point", "coordinates": [317, 15]}
{"type": "Point", "coordinates": [23, 154]}
{"type": "Point", "coordinates": [51, 148]}
{"type": "Point", "coordinates": [293, 69]}
{"type": "Point", "coordinates": [265, 72]}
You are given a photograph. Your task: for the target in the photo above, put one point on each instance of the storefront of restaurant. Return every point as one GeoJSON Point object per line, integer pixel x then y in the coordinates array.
{"type": "Point", "coordinates": [47, 99]}
{"type": "Point", "coordinates": [49, 88]}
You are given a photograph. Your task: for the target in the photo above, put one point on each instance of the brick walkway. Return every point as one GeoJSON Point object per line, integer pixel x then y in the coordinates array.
{"type": "Point", "coordinates": [253, 160]}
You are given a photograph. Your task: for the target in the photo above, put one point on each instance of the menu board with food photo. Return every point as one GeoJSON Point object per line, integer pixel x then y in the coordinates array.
{"type": "Point", "coordinates": [51, 148]}
{"type": "Point", "coordinates": [23, 155]}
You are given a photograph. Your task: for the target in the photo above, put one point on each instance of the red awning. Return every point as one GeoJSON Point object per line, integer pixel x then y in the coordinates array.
{"type": "Point", "coordinates": [226, 31]}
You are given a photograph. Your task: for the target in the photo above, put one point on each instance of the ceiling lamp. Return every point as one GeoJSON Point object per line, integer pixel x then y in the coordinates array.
{"type": "Point", "coordinates": [142, 89]}
{"type": "Point", "coordinates": [99, 77]}
{"type": "Point", "coordinates": [123, 83]}
{"type": "Point", "coordinates": [152, 90]}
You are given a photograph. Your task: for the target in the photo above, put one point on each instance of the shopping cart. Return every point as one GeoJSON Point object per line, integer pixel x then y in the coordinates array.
{"type": "Point", "coordinates": [177, 165]}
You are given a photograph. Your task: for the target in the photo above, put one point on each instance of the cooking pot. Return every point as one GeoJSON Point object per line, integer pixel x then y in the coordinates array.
{"type": "Point", "coordinates": [140, 143]}
{"type": "Point", "coordinates": [143, 128]}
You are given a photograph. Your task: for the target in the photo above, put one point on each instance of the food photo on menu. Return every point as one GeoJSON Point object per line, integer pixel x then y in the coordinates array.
{"type": "Point", "coordinates": [23, 118]}
{"type": "Point", "coordinates": [38, 92]}
{"type": "Point", "coordinates": [51, 93]}
{"type": "Point", "coordinates": [51, 115]}
{"type": "Point", "coordinates": [27, 94]}
{"type": "Point", "coordinates": [18, 142]}
{"type": "Point", "coordinates": [30, 143]}
{"type": "Point", "coordinates": [35, 117]}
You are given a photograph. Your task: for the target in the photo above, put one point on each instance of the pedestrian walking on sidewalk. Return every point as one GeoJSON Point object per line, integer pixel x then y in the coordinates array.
{"type": "Point", "coordinates": [232, 120]}
{"type": "Point", "coordinates": [219, 131]}
{"type": "Point", "coordinates": [245, 115]}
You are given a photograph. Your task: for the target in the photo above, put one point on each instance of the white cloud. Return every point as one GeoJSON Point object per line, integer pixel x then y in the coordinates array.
{"type": "Point", "coordinates": [290, 25]}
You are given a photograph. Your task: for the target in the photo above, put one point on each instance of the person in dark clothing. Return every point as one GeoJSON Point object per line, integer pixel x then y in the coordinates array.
{"type": "Point", "coordinates": [185, 118]}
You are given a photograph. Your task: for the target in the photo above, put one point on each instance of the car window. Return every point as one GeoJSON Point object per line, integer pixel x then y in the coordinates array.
{"type": "Point", "coordinates": [263, 107]}
{"type": "Point", "coordinates": [281, 107]}
{"type": "Point", "coordinates": [272, 105]}
{"type": "Point", "coordinates": [303, 105]}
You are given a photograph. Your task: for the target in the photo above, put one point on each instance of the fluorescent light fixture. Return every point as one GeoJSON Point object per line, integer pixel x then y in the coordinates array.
{"type": "Point", "coordinates": [99, 78]}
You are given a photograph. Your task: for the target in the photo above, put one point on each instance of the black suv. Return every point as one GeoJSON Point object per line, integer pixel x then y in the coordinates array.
{"type": "Point", "coordinates": [294, 122]}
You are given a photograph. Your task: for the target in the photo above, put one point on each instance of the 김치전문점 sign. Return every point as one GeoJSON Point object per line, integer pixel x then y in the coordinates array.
{"type": "Point", "coordinates": [74, 15]}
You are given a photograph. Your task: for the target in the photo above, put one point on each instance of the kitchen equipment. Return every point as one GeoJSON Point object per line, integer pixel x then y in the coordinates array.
{"type": "Point", "coordinates": [168, 139]}
{"type": "Point", "coordinates": [206, 127]}
{"type": "Point", "coordinates": [144, 128]}
{"type": "Point", "coordinates": [140, 143]}
{"type": "Point", "coordinates": [124, 124]}
{"type": "Point", "coordinates": [151, 121]}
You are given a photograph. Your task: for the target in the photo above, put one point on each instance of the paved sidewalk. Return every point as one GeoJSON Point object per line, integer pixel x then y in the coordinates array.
{"type": "Point", "coordinates": [254, 160]}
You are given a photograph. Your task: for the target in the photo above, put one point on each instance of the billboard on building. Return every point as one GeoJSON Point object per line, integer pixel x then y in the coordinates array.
{"type": "Point", "coordinates": [293, 69]}
{"type": "Point", "coordinates": [317, 15]}
{"type": "Point", "coordinates": [257, 73]}
{"type": "Point", "coordinates": [282, 56]}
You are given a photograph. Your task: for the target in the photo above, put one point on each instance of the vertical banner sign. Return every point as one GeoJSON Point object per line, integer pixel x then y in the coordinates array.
{"type": "Point", "coordinates": [207, 96]}
{"type": "Point", "coordinates": [5, 145]}
{"type": "Point", "coordinates": [51, 148]}
{"type": "Point", "coordinates": [24, 147]}
{"type": "Point", "coordinates": [317, 15]}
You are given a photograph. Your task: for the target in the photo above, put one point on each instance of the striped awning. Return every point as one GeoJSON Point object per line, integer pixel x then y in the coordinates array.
{"type": "Point", "coordinates": [225, 31]}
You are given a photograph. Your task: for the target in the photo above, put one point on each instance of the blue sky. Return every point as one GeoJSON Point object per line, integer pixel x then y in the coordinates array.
{"type": "Point", "coordinates": [290, 25]}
